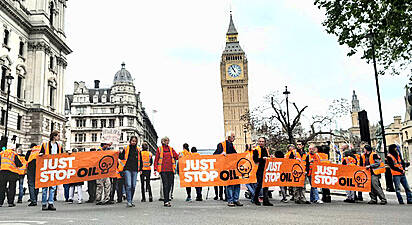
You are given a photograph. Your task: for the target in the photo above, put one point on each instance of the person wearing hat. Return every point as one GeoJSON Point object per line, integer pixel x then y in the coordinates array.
{"type": "Point", "coordinates": [373, 162]}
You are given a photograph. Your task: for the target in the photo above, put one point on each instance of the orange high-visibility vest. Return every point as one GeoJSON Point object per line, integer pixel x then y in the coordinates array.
{"type": "Point", "coordinates": [34, 153]}
{"type": "Point", "coordinates": [313, 159]}
{"type": "Point", "coordinates": [358, 158]}
{"type": "Point", "coordinates": [7, 161]}
{"type": "Point", "coordinates": [195, 153]}
{"type": "Point", "coordinates": [23, 169]}
{"type": "Point", "coordinates": [376, 171]}
{"type": "Point", "coordinates": [185, 153]}
{"type": "Point", "coordinates": [324, 158]}
{"type": "Point", "coordinates": [146, 156]}
{"type": "Point", "coordinates": [46, 148]}
{"type": "Point", "coordinates": [224, 146]}
{"type": "Point", "coordinates": [159, 163]}
{"type": "Point", "coordinates": [122, 163]}
{"type": "Point", "coordinates": [259, 150]}
{"type": "Point", "coordinates": [397, 163]}
{"type": "Point", "coordinates": [350, 161]}
{"type": "Point", "coordinates": [295, 154]}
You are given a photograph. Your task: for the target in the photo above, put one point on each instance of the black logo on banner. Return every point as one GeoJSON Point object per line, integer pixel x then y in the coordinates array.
{"type": "Point", "coordinates": [106, 163]}
{"type": "Point", "coordinates": [360, 178]}
{"type": "Point", "coordinates": [297, 172]}
{"type": "Point", "coordinates": [244, 166]}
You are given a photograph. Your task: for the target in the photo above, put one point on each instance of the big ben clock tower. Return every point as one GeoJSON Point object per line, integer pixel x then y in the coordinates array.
{"type": "Point", "coordinates": [234, 82]}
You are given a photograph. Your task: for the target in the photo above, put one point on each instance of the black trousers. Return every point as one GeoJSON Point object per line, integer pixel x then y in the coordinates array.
{"type": "Point", "coordinates": [91, 189]}
{"type": "Point", "coordinates": [7, 177]}
{"type": "Point", "coordinates": [116, 186]}
{"type": "Point", "coordinates": [145, 181]}
{"type": "Point", "coordinates": [168, 180]}
{"type": "Point", "coordinates": [198, 192]}
{"type": "Point", "coordinates": [219, 191]}
{"type": "Point", "coordinates": [259, 177]}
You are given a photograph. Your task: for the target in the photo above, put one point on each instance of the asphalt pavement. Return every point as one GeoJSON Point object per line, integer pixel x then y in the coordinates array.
{"type": "Point", "coordinates": [209, 212]}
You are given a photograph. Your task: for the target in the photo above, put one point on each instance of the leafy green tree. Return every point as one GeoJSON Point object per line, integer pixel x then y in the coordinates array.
{"type": "Point", "coordinates": [387, 24]}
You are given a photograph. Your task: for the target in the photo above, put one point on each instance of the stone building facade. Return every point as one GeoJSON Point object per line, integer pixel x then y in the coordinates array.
{"type": "Point", "coordinates": [89, 110]}
{"type": "Point", "coordinates": [234, 83]}
{"type": "Point", "coordinates": [33, 51]}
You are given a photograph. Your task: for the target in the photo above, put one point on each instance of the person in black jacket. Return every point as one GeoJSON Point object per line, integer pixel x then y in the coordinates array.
{"type": "Point", "coordinates": [225, 148]}
{"type": "Point", "coordinates": [398, 165]}
{"type": "Point", "coordinates": [31, 176]}
{"type": "Point", "coordinates": [260, 154]}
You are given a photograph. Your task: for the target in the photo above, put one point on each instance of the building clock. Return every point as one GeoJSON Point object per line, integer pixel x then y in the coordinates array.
{"type": "Point", "coordinates": [234, 70]}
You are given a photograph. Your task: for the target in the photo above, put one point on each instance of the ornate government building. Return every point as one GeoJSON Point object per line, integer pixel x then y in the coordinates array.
{"type": "Point", "coordinates": [33, 52]}
{"type": "Point", "coordinates": [89, 110]}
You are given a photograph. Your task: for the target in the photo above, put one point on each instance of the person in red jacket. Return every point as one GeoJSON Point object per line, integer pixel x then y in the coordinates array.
{"type": "Point", "coordinates": [165, 164]}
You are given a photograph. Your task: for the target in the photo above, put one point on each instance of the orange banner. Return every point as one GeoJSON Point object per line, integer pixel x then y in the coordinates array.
{"type": "Point", "coordinates": [216, 170]}
{"type": "Point", "coordinates": [341, 177]}
{"type": "Point", "coordinates": [284, 172]}
{"type": "Point", "coordinates": [52, 170]}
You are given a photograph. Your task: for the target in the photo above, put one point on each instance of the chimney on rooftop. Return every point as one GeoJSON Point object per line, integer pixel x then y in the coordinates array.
{"type": "Point", "coordinates": [96, 83]}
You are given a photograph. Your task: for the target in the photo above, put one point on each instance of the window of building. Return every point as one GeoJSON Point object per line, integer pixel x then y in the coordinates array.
{"type": "Point", "coordinates": [130, 109]}
{"type": "Point", "coordinates": [19, 86]}
{"type": "Point", "coordinates": [3, 117]}
{"type": "Point", "coordinates": [6, 37]}
{"type": "Point", "coordinates": [51, 62]}
{"type": "Point", "coordinates": [130, 122]}
{"type": "Point", "coordinates": [21, 48]}
{"type": "Point", "coordinates": [102, 123]}
{"type": "Point", "coordinates": [121, 109]}
{"type": "Point", "coordinates": [111, 123]}
{"type": "Point", "coordinates": [52, 125]}
{"type": "Point", "coordinates": [94, 123]}
{"type": "Point", "coordinates": [3, 78]}
{"type": "Point", "coordinates": [111, 110]}
{"type": "Point", "coordinates": [80, 138]}
{"type": "Point", "coordinates": [121, 136]}
{"type": "Point", "coordinates": [121, 121]}
{"type": "Point", "coordinates": [81, 110]}
{"type": "Point", "coordinates": [51, 12]}
{"type": "Point", "coordinates": [81, 123]}
{"type": "Point", "coordinates": [94, 137]}
{"type": "Point", "coordinates": [51, 95]}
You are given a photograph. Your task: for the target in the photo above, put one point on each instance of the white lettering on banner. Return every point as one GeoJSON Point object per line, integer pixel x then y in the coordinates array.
{"type": "Point", "coordinates": [49, 172]}
{"type": "Point", "coordinates": [326, 175]}
{"type": "Point", "coordinates": [272, 172]}
{"type": "Point", "coordinates": [202, 175]}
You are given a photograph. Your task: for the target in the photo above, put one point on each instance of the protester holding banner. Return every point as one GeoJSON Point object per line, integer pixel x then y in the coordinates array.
{"type": "Point", "coordinates": [311, 159]}
{"type": "Point", "coordinates": [226, 147]}
{"type": "Point", "coordinates": [165, 164]}
{"type": "Point", "coordinates": [298, 192]}
{"type": "Point", "coordinates": [193, 150]}
{"type": "Point", "coordinates": [9, 164]}
{"type": "Point", "coordinates": [260, 154]}
{"type": "Point", "coordinates": [186, 152]}
{"type": "Point", "coordinates": [373, 162]}
{"type": "Point", "coordinates": [22, 174]}
{"type": "Point", "coordinates": [131, 163]}
{"type": "Point", "coordinates": [397, 165]}
{"type": "Point", "coordinates": [283, 189]}
{"type": "Point", "coordinates": [50, 148]}
{"type": "Point", "coordinates": [323, 152]}
{"type": "Point", "coordinates": [350, 160]}
{"type": "Point", "coordinates": [31, 156]}
{"type": "Point", "coordinates": [103, 185]}
{"type": "Point", "coordinates": [91, 187]}
{"type": "Point", "coordinates": [146, 171]}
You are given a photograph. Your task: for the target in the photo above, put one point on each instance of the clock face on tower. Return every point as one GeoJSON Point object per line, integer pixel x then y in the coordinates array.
{"type": "Point", "coordinates": [234, 70]}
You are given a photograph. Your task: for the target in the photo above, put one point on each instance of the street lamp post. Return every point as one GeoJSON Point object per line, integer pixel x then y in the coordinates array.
{"type": "Point", "coordinates": [245, 131]}
{"type": "Point", "coordinates": [9, 79]}
{"type": "Point", "coordinates": [286, 93]}
{"type": "Point", "coordinates": [388, 175]}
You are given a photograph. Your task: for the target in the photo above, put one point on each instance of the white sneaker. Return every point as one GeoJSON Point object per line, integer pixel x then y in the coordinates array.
{"type": "Point", "coordinates": [319, 202]}
{"type": "Point", "coordinates": [79, 201]}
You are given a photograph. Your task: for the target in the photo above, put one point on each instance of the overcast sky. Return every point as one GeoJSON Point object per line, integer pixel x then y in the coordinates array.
{"type": "Point", "coordinates": [173, 49]}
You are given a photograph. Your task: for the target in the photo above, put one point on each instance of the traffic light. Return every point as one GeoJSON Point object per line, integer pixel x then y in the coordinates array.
{"type": "Point", "coordinates": [3, 143]}
{"type": "Point", "coordinates": [364, 126]}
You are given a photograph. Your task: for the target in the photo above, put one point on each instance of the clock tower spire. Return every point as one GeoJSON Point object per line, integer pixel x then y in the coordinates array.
{"type": "Point", "coordinates": [234, 83]}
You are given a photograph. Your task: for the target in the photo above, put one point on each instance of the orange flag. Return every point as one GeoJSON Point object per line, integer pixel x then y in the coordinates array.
{"type": "Point", "coordinates": [341, 177]}
{"type": "Point", "coordinates": [216, 170]}
{"type": "Point", "coordinates": [284, 172]}
{"type": "Point", "coordinates": [52, 170]}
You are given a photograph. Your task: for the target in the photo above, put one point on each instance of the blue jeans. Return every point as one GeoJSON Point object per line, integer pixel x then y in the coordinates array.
{"type": "Point", "coordinates": [130, 179]}
{"type": "Point", "coordinates": [314, 195]}
{"type": "Point", "coordinates": [401, 179]}
{"type": "Point", "coordinates": [48, 197]}
{"type": "Point", "coordinates": [21, 189]}
{"type": "Point", "coordinates": [233, 193]}
{"type": "Point", "coordinates": [66, 191]}
{"type": "Point", "coordinates": [33, 191]}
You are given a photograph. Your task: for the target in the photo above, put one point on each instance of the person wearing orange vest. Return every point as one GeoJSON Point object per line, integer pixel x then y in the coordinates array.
{"type": "Point", "coordinates": [49, 148]}
{"type": "Point", "coordinates": [186, 152]}
{"type": "Point", "coordinates": [130, 164]}
{"type": "Point", "coordinates": [31, 156]}
{"type": "Point", "coordinates": [350, 160]}
{"type": "Point", "coordinates": [312, 159]}
{"type": "Point", "coordinates": [165, 164]}
{"type": "Point", "coordinates": [146, 171]}
{"type": "Point", "coordinates": [9, 164]}
{"type": "Point", "coordinates": [193, 151]}
{"type": "Point", "coordinates": [103, 185]}
{"type": "Point", "coordinates": [323, 152]}
{"type": "Point", "coordinates": [298, 192]}
{"type": "Point", "coordinates": [397, 166]}
{"type": "Point", "coordinates": [22, 174]}
{"type": "Point", "coordinates": [252, 186]}
{"type": "Point", "coordinates": [260, 154]}
{"type": "Point", "coordinates": [373, 162]}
